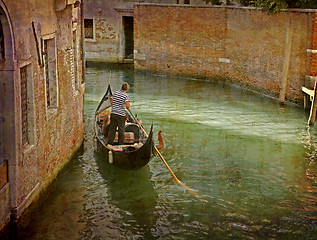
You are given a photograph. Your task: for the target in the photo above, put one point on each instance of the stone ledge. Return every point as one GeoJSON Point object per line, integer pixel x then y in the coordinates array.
{"type": "Point", "coordinates": [223, 6]}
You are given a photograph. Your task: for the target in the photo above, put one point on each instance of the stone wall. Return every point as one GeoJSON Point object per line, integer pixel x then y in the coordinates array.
{"type": "Point", "coordinates": [55, 127]}
{"type": "Point", "coordinates": [235, 44]}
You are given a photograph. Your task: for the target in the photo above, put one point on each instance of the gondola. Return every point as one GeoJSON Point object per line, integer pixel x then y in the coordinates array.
{"type": "Point", "coordinates": [137, 149]}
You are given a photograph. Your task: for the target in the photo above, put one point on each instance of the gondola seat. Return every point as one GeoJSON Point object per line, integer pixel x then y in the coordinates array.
{"type": "Point", "coordinates": [131, 135]}
{"type": "Point", "coordinates": [134, 128]}
{"type": "Point", "coordinates": [128, 138]}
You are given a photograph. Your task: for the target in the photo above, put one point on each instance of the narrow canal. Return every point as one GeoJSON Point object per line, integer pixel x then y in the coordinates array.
{"type": "Point", "coordinates": [252, 161]}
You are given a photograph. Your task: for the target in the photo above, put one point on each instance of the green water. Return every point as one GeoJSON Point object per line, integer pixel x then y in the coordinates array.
{"type": "Point", "coordinates": [251, 160]}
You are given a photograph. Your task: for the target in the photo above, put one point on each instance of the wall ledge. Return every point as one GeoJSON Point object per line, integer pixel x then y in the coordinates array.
{"type": "Point", "coordinates": [222, 6]}
{"type": "Point", "coordinates": [130, 10]}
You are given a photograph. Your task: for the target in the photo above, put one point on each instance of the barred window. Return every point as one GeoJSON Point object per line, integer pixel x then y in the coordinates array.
{"type": "Point", "coordinates": [27, 105]}
{"type": "Point", "coordinates": [50, 72]}
{"type": "Point", "coordinates": [24, 105]}
{"type": "Point", "coordinates": [89, 28]}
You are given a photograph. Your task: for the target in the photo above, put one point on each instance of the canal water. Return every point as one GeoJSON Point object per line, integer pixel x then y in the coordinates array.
{"type": "Point", "coordinates": [250, 161]}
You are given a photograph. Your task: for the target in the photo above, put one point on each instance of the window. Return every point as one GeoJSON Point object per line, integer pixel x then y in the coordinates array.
{"type": "Point", "coordinates": [74, 64]}
{"type": "Point", "coordinates": [186, 1]}
{"type": "Point", "coordinates": [27, 108]}
{"type": "Point", "coordinates": [49, 56]}
{"type": "Point", "coordinates": [2, 57]}
{"type": "Point", "coordinates": [89, 28]}
{"type": "Point", "coordinates": [24, 105]}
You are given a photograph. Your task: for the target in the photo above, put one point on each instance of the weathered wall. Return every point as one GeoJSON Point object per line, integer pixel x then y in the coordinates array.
{"type": "Point", "coordinates": [242, 45]}
{"type": "Point", "coordinates": [58, 130]}
{"type": "Point", "coordinates": [108, 43]}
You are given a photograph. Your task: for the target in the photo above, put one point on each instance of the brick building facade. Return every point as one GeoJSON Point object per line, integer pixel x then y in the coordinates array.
{"type": "Point", "coordinates": [235, 44]}
{"type": "Point", "coordinates": [41, 97]}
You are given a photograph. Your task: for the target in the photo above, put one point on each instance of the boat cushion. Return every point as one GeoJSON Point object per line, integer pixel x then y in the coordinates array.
{"type": "Point", "coordinates": [128, 137]}
{"type": "Point", "coordinates": [133, 127]}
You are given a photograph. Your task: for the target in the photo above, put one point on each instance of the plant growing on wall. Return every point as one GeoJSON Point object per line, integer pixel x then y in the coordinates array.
{"type": "Point", "coordinates": [277, 5]}
{"type": "Point", "coordinates": [269, 5]}
{"type": "Point", "coordinates": [219, 2]}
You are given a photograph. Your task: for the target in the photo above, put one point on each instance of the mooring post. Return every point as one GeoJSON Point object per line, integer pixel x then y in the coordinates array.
{"type": "Point", "coordinates": [312, 115]}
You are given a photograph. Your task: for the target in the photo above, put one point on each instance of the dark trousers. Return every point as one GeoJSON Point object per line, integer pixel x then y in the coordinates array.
{"type": "Point", "coordinates": [116, 121]}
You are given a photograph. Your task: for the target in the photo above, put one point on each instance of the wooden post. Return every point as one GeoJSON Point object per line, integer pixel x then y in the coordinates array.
{"type": "Point", "coordinates": [312, 115]}
{"type": "Point", "coordinates": [306, 102]}
{"type": "Point", "coordinates": [286, 61]}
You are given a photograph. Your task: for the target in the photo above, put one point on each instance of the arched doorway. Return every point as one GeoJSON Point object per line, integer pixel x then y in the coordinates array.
{"type": "Point", "coordinates": [7, 112]}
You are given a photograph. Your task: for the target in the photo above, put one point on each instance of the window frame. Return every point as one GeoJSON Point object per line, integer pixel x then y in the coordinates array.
{"type": "Point", "coordinates": [50, 68]}
{"type": "Point", "coordinates": [93, 39]}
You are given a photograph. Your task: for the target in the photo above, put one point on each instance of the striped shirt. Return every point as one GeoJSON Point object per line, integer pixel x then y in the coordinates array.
{"type": "Point", "coordinates": [119, 98]}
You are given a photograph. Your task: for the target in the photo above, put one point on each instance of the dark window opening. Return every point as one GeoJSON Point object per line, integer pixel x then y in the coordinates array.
{"type": "Point", "coordinates": [2, 57]}
{"type": "Point", "coordinates": [89, 28]}
{"type": "Point", "coordinates": [186, 1]}
{"type": "Point", "coordinates": [128, 37]}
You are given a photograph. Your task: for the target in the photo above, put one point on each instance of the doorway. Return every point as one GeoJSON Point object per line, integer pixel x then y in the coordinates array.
{"type": "Point", "coordinates": [128, 37]}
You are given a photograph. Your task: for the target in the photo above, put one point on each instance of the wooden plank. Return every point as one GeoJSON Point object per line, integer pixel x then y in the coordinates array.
{"type": "Point", "coordinates": [308, 91]}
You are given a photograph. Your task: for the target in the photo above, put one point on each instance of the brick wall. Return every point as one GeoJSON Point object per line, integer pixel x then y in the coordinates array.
{"type": "Point", "coordinates": [313, 69]}
{"type": "Point", "coordinates": [240, 45]}
{"type": "Point", "coordinates": [59, 132]}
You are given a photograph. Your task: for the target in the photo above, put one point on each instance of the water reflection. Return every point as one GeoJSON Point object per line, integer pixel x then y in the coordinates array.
{"type": "Point", "coordinates": [132, 192]}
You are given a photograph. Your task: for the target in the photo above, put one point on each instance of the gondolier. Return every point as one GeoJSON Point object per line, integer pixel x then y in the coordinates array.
{"type": "Point", "coordinates": [137, 149]}
{"type": "Point", "coordinates": [119, 102]}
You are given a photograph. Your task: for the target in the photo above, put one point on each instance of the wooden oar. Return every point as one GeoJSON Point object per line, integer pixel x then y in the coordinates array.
{"type": "Point", "coordinates": [168, 167]}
